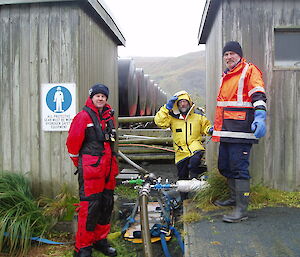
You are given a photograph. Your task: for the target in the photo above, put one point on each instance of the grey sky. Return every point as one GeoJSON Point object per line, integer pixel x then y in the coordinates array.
{"type": "Point", "coordinates": [157, 27]}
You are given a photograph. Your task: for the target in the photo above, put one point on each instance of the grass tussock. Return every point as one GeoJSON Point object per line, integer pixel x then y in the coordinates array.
{"type": "Point", "coordinates": [260, 196]}
{"type": "Point", "coordinates": [127, 192]}
{"type": "Point", "coordinates": [20, 215]}
{"type": "Point", "coordinates": [191, 216]}
{"type": "Point", "coordinates": [62, 206]}
{"type": "Point", "coordinates": [217, 189]}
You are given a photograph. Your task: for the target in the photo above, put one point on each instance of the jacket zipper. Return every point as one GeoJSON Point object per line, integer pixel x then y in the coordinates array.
{"type": "Point", "coordinates": [186, 136]}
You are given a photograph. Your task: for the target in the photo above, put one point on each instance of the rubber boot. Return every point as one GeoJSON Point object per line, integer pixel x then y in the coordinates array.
{"type": "Point", "coordinates": [84, 252]}
{"type": "Point", "coordinates": [239, 213]}
{"type": "Point", "coordinates": [104, 247]}
{"type": "Point", "coordinates": [184, 196]}
{"type": "Point", "coordinates": [231, 200]}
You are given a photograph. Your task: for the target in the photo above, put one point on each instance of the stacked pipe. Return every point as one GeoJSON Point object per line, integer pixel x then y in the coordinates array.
{"type": "Point", "coordinates": [139, 95]}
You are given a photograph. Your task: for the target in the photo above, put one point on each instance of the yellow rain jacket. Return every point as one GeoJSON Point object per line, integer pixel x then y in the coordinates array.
{"type": "Point", "coordinates": [186, 131]}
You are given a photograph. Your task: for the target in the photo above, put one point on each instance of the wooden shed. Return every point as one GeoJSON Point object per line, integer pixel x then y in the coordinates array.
{"type": "Point", "coordinates": [50, 41]}
{"type": "Point", "coordinates": [269, 33]}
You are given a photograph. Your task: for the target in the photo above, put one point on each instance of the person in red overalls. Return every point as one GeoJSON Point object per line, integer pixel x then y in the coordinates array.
{"type": "Point", "coordinates": [90, 145]}
{"type": "Point", "coordinates": [239, 123]}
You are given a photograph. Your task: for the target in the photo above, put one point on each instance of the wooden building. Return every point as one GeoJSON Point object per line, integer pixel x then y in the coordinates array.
{"type": "Point", "coordinates": [50, 41]}
{"type": "Point", "coordinates": [269, 33]}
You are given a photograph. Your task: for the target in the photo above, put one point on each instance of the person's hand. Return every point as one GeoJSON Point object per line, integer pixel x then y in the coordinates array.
{"type": "Point", "coordinates": [210, 131]}
{"type": "Point", "coordinates": [171, 102]}
{"type": "Point", "coordinates": [258, 126]}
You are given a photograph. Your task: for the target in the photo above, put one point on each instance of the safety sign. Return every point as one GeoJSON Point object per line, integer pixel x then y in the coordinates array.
{"type": "Point", "coordinates": [58, 102]}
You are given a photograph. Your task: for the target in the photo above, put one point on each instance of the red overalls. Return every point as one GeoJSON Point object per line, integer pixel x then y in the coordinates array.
{"type": "Point", "coordinates": [92, 152]}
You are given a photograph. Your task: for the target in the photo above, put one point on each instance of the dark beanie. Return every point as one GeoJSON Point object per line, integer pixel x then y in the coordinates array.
{"type": "Point", "coordinates": [99, 88]}
{"type": "Point", "coordinates": [233, 46]}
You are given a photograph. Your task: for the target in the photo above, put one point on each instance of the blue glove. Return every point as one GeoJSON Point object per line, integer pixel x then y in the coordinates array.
{"type": "Point", "coordinates": [210, 131]}
{"type": "Point", "coordinates": [258, 126]}
{"type": "Point", "coordinates": [171, 102]}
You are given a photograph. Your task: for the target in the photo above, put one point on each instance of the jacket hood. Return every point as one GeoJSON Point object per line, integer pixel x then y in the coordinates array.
{"type": "Point", "coordinates": [182, 95]}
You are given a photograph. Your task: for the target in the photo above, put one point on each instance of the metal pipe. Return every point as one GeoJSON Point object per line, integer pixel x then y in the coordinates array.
{"type": "Point", "coordinates": [135, 119]}
{"type": "Point", "coordinates": [139, 168]}
{"type": "Point", "coordinates": [147, 247]}
{"type": "Point", "coordinates": [155, 140]}
{"type": "Point", "coordinates": [148, 157]}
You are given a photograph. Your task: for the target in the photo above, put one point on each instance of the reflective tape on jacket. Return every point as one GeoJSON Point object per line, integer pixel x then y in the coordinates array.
{"type": "Point", "coordinates": [234, 134]}
{"type": "Point", "coordinates": [235, 110]}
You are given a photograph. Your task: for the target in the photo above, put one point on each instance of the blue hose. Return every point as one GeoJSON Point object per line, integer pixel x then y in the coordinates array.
{"type": "Point", "coordinates": [164, 245]}
{"type": "Point", "coordinates": [179, 240]}
{"type": "Point", "coordinates": [42, 240]}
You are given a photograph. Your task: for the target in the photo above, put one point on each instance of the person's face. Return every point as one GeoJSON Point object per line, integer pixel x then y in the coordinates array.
{"type": "Point", "coordinates": [99, 100]}
{"type": "Point", "coordinates": [183, 105]}
{"type": "Point", "coordinates": [231, 59]}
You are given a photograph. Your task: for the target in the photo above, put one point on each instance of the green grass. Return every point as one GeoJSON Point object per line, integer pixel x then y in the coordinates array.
{"type": "Point", "coordinates": [127, 192]}
{"type": "Point", "coordinates": [260, 196]}
{"type": "Point", "coordinates": [62, 206]}
{"type": "Point", "coordinates": [20, 215]}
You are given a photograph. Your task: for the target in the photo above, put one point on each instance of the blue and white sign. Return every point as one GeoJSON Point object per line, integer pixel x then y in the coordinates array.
{"type": "Point", "coordinates": [58, 106]}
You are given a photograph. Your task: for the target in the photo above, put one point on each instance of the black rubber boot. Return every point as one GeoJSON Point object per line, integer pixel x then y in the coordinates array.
{"type": "Point", "coordinates": [231, 200]}
{"type": "Point", "coordinates": [104, 247]}
{"type": "Point", "coordinates": [239, 213]}
{"type": "Point", "coordinates": [184, 196]}
{"type": "Point", "coordinates": [84, 252]}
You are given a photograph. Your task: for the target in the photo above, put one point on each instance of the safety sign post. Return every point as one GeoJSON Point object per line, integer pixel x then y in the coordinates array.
{"type": "Point", "coordinates": [58, 103]}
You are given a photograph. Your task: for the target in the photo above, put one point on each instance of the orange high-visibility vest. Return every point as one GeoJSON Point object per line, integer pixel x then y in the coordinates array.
{"type": "Point", "coordinates": [235, 107]}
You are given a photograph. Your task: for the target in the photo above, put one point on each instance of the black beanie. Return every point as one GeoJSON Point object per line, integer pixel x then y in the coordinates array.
{"type": "Point", "coordinates": [233, 46]}
{"type": "Point", "coordinates": [99, 88]}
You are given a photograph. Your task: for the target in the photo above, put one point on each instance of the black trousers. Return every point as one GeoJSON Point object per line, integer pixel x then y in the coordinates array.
{"type": "Point", "coordinates": [190, 167]}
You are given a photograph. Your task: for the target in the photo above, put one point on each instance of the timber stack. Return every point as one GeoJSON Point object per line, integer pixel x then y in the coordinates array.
{"type": "Point", "coordinates": [140, 140]}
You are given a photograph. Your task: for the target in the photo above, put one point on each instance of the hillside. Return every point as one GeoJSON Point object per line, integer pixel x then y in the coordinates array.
{"type": "Point", "coordinates": [186, 72]}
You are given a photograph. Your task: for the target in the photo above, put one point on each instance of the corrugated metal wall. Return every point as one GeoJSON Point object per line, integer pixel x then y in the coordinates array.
{"type": "Point", "coordinates": [275, 160]}
{"type": "Point", "coordinates": [47, 43]}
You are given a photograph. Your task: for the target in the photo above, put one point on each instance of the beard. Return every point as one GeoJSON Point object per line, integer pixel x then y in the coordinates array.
{"type": "Point", "coordinates": [184, 110]}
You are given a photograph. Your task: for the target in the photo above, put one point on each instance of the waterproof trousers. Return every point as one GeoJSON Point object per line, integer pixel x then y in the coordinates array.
{"type": "Point", "coordinates": [96, 189]}
{"type": "Point", "coordinates": [190, 167]}
{"type": "Point", "coordinates": [233, 161]}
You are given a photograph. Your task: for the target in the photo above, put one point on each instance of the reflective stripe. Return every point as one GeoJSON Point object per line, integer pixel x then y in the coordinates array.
{"type": "Point", "coordinates": [241, 84]}
{"type": "Point", "coordinates": [260, 102]}
{"type": "Point", "coordinates": [256, 89]}
{"type": "Point", "coordinates": [221, 82]}
{"type": "Point", "coordinates": [74, 155]}
{"type": "Point", "coordinates": [90, 125]}
{"type": "Point", "coordinates": [234, 104]}
{"type": "Point", "coordinates": [234, 134]}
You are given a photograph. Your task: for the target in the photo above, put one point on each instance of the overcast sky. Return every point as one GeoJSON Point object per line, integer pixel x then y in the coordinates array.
{"type": "Point", "coordinates": [158, 27]}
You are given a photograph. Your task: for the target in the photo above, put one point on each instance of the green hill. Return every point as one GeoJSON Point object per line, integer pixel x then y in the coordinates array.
{"type": "Point", "coordinates": [186, 72]}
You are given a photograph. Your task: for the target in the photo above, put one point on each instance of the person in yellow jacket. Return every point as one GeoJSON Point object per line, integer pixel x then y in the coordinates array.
{"type": "Point", "coordinates": [187, 127]}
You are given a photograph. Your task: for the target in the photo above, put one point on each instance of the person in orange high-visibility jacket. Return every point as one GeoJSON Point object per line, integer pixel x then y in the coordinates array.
{"type": "Point", "coordinates": [90, 145]}
{"type": "Point", "coordinates": [188, 126]}
{"type": "Point", "coordinates": [239, 122]}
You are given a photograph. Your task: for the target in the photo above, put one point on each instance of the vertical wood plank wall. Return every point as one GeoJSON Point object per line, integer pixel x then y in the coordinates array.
{"type": "Point", "coordinates": [275, 160]}
{"type": "Point", "coordinates": [47, 43]}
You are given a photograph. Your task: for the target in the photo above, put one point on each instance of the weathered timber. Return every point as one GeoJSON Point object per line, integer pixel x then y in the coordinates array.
{"type": "Point", "coordinates": [129, 150]}
{"type": "Point", "coordinates": [145, 132]}
{"type": "Point", "coordinates": [135, 119]}
{"type": "Point", "coordinates": [162, 140]}
{"type": "Point", "coordinates": [150, 157]}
